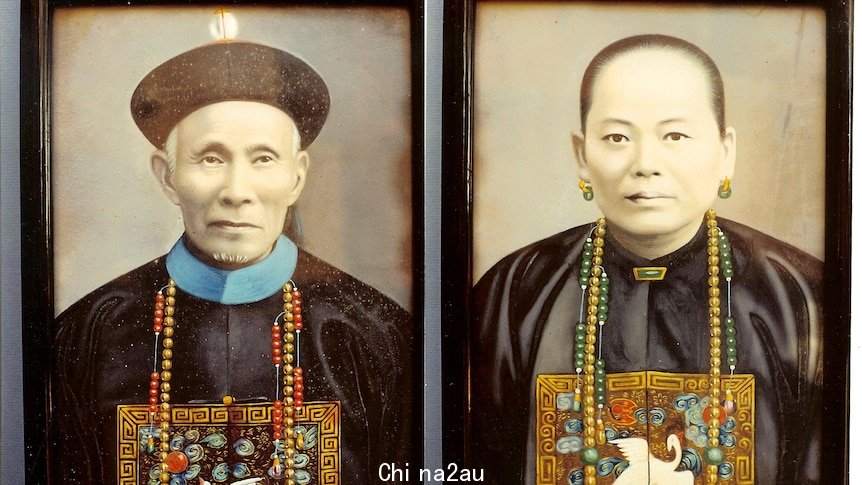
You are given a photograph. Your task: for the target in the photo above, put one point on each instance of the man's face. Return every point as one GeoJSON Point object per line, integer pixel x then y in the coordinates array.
{"type": "Point", "coordinates": [236, 175]}
{"type": "Point", "coordinates": [651, 147]}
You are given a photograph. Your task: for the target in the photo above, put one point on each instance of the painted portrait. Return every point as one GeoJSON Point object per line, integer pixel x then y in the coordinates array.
{"type": "Point", "coordinates": [232, 232]}
{"type": "Point", "coordinates": [649, 228]}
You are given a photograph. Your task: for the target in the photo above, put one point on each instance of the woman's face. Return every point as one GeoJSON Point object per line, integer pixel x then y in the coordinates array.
{"type": "Point", "coordinates": [651, 147]}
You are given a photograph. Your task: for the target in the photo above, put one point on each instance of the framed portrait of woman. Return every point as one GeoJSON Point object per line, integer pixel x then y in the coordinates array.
{"type": "Point", "coordinates": [648, 283]}
{"type": "Point", "coordinates": [220, 233]}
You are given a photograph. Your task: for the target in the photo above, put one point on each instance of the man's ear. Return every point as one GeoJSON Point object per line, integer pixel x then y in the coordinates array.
{"type": "Point", "coordinates": [301, 162]}
{"type": "Point", "coordinates": [578, 147]}
{"type": "Point", "coordinates": [728, 163]}
{"type": "Point", "coordinates": [162, 172]}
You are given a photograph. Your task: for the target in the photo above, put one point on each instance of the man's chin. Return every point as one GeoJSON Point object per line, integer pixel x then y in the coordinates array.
{"type": "Point", "coordinates": [231, 259]}
{"type": "Point", "coordinates": [229, 254]}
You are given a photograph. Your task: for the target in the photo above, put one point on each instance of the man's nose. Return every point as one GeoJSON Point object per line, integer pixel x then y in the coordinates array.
{"type": "Point", "coordinates": [648, 158]}
{"type": "Point", "coordinates": [238, 187]}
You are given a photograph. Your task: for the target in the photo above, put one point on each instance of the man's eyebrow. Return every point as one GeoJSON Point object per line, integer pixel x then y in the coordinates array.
{"type": "Point", "coordinates": [211, 146]}
{"type": "Point", "coordinates": [262, 147]}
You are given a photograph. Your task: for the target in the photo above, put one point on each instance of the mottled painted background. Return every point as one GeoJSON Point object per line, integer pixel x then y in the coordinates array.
{"type": "Point", "coordinates": [529, 60]}
{"type": "Point", "coordinates": [109, 216]}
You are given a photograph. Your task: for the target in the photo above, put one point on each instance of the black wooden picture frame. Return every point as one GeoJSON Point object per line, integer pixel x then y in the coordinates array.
{"type": "Point", "coordinates": [460, 173]}
{"type": "Point", "coordinates": [39, 203]}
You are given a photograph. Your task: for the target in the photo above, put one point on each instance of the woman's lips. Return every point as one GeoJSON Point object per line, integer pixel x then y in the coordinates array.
{"type": "Point", "coordinates": [647, 196]}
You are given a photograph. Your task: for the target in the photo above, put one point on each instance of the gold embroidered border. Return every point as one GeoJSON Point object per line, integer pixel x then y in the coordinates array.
{"type": "Point", "coordinates": [326, 415]}
{"type": "Point", "coordinates": [553, 467]}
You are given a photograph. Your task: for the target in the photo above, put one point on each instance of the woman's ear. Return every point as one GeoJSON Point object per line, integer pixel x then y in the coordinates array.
{"type": "Point", "coordinates": [578, 147]}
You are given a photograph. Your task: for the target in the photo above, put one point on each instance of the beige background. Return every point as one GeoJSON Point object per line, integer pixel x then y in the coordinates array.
{"type": "Point", "coordinates": [109, 216]}
{"type": "Point", "coordinates": [529, 61]}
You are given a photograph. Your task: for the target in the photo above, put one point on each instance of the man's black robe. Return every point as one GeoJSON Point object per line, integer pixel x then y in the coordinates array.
{"type": "Point", "coordinates": [355, 350]}
{"type": "Point", "coordinates": [659, 326]}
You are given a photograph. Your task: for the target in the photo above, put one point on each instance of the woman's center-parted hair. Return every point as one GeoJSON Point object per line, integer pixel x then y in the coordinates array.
{"type": "Point", "coordinates": [654, 42]}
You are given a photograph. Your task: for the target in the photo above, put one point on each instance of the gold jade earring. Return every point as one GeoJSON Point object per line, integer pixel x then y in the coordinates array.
{"type": "Point", "coordinates": [586, 188]}
{"type": "Point", "coordinates": [724, 189]}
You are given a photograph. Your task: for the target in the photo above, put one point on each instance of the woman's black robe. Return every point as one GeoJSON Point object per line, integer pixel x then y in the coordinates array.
{"type": "Point", "coordinates": [658, 326]}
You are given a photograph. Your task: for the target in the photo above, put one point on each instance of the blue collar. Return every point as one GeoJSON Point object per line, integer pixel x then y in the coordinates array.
{"type": "Point", "coordinates": [231, 287]}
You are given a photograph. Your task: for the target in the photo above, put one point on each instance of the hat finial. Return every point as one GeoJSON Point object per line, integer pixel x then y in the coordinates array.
{"type": "Point", "coordinates": [224, 26]}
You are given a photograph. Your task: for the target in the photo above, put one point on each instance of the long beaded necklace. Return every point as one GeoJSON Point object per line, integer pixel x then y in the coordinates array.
{"type": "Point", "coordinates": [595, 286]}
{"type": "Point", "coordinates": [285, 351]}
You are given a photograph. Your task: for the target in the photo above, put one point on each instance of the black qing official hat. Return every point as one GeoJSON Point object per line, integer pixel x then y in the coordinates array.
{"type": "Point", "coordinates": [230, 71]}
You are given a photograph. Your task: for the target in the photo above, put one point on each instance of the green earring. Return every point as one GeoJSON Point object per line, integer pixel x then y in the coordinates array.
{"type": "Point", "coordinates": [724, 189]}
{"type": "Point", "coordinates": [586, 188]}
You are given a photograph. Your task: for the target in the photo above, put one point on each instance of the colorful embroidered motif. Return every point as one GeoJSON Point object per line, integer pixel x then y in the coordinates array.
{"type": "Point", "coordinates": [654, 430]}
{"type": "Point", "coordinates": [225, 444]}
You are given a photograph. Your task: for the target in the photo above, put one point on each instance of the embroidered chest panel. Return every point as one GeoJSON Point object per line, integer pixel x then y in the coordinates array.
{"type": "Point", "coordinates": [226, 444]}
{"type": "Point", "coordinates": [654, 429]}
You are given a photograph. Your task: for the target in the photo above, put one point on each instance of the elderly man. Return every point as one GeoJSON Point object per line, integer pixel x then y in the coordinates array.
{"type": "Point", "coordinates": [237, 356]}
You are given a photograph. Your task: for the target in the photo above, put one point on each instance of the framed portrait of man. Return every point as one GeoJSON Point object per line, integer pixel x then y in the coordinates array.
{"type": "Point", "coordinates": [221, 232]}
{"type": "Point", "coordinates": [652, 208]}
